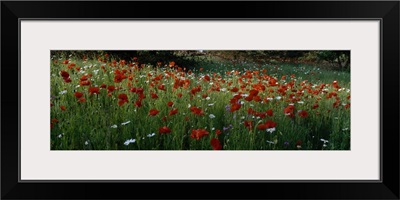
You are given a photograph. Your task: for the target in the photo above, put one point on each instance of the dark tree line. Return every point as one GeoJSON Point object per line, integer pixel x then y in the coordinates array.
{"type": "Point", "coordinates": [190, 58]}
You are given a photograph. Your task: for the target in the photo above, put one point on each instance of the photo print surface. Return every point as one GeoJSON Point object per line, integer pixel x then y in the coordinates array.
{"type": "Point", "coordinates": [200, 100]}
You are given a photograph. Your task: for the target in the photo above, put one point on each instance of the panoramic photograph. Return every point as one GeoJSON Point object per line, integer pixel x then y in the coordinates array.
{"type": "Point", "coordinates": [247, 100]}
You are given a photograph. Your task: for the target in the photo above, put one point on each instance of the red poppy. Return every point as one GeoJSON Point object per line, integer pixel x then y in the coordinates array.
{"type": "Point", "coordinates": [196, 110]}
{"type": "Point", "coordinates": [117, 78]}
{"type": "Point", "coordinates": [195, 90]}
{"type": "Point", "coordinates": [260, 114]}
{"type": "Point", "coordinates": [67, 80]}
{"type": "Point", "coordinates": [218, 132]}
{"type": "Point", "coordinates": [153, 112]}
{"type": "Point", "coordinates": [132, 90]}
{"type": "Point", "coordinates": [257, 98]}
{"type": "Point", "coordinates": [216, 145]}
{"type": "Point", "coordinates": [179, 95]}
{"type": "Point", "coordinates": [289, 111]}
{"type": "Point", "coordinates": [154, 96]}
{"type": "Point", "coordinates": [250, 111]}
{"type": "Point", "coordinates": [81, 100]}
{"type": "Point", "coordinates": [54, 120]}
{"type": "Point", "coordinates": [84, 83]}
{"type": "Point", "coordinates": [235, 89]}
{"type": "Point", "coordinates": [272, 82]}
{"type": "Point", "coordinates": [207, 78]}
{"type": "Point", "coordinates": [235, 107]}
{"type": "Point", "coordinates": [123, 98]}
{"type": "Point", "coordinates": [198, 134]}
{"type": "Point", "coordinates": [65, 62]}
{"type": "Point", "coordinates": [103, 85]}
{"type": "Point", "coordinates": [270, 112]}
{"type": "Point", "coordinates": [110, 88]}
{"type": "Point", "coordinates": [94, 90]}
{"type": "Point", "coordinates": [303, 113]}
{"type": "Point", "coordinates": [173, 111]}
{"type": "Point", "coordinates": [164, 129]}
{"type": "Point", "coordinates": [78, 94]}
{"type": "Point", "coordinates": [64, 74]}
{"type": "Point", "coordinates": [170, 103]}
{"type": "Point", "coordinates": [331, 94]}
{"type": "Point", "coordinates": [315, 106]}
{"type": "Point", "coordinates": [249, 98]}
{"type": "Point", "coordinates": [63, 108]}
{"type": "Point", "coordinates": [262, 127]}
{"type": "Point", "coordinates": [298, 143]}
{"type": "Point", "coordinates": [161, 87]}
{"type": "Point", "coordinates": [83, 78]}
{"type": "Point", "coordinates": [139, 90]}
{"type": "Point", "coordinates": [248, 124]}
{"type": "Point", "coordinates": [270, 124]}
{"type": "Point", "coordinates": [138, 103]}
{"type": "Point", "coordinates": [254, 92]}
{"type": "Point", "coordinates": [142, 96]}
{"type": "Point", "coordinates": [336, 85]}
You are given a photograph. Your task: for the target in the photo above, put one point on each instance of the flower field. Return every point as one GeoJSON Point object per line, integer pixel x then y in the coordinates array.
{"type": "Point", "coordinates": [106, 103]}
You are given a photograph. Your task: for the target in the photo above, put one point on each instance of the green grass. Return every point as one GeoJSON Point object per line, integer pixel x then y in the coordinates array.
{"type": "Point", "coordinates": [88, 125]}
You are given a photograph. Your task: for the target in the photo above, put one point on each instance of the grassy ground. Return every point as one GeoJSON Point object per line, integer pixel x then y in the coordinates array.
{"type": "Point", "coordinates": [306, 109]}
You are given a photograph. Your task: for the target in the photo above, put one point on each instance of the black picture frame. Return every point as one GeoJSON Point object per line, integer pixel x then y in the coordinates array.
{"type": "Point", "coordinates": [386, 11]}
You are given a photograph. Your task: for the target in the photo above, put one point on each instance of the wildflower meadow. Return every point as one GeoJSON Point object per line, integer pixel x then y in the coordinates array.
{"type": "Point", "coordinates": [103, 101]}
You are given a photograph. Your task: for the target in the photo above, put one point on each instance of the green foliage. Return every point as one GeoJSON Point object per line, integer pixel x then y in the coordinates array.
{"type": "Point", "coordinates": [339, 58]}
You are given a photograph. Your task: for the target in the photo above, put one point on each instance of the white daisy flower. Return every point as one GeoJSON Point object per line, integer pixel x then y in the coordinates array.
{"type": "Point", "coordinates": [325, 141]}
{"type": "Point", "coordinates": [125, 123]}
{"type": "Point", "coordinates": [300, 102]}
{"type": "Point", "coordinates": [270, 142]}
{"type": "Point", "coordinates": [212, 116]}
{"type": "Point", "coordinates": [211, 104]}
{"type": "Point", "coordinates": [208, 98]}
{"type": "Point", "coordinates": [114, 126]}
{"type": "Point", "coordinates": [278, 97]}
{"type": "Point", "coordinates": [86, 142]}
{"type": "Point", "coordinates": [270, 130]}
{"type": "Point", "coordinates": [127, 142]}
{"type": "Point", "coordinates": [63, 92]}
{"type": "Point", "coordinates": [151, 135]}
